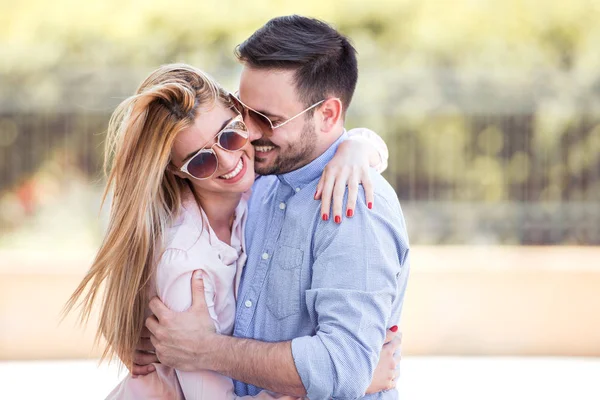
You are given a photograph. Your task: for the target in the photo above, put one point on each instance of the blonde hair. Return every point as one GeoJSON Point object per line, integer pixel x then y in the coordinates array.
{"type": "Point", "coordinates": [146, 196]}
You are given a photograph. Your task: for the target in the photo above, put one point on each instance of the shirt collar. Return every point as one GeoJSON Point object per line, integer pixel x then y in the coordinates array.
{"type": "Point", "coordinates": [297, 179]}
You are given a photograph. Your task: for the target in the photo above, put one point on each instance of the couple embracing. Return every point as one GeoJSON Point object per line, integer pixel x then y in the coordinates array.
{"type": "Point", "coordinates": [253, 248]}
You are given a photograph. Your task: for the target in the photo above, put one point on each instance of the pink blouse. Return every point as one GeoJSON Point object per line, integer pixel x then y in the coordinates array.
{"type": "Point", "coordinates": [192, 244]}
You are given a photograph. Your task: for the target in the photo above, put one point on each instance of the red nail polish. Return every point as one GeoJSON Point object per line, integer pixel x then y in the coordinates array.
{"type": "Point", "coordinates": [338, 219]}
{"type": "Point", "coordinates": [394, 328]}
{"type": "Point", "coordinates": [370, 205]}
{"type": "Point", "coordinates": [350, 212]}
{"type": "Point", "coordinates": [325, 217]}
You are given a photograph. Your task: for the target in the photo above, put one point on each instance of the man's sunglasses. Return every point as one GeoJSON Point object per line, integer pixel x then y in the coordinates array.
{"type": "Point", "coordinates": [205, 162]}
{"type": "Point", "coordinates": [264, 123]}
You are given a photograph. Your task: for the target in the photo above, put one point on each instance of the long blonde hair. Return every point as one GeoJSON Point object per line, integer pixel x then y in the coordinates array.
{"type": "Point", "coordinates": [146, 196]}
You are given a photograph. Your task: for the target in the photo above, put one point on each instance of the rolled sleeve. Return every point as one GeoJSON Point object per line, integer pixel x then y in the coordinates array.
{"type": "Point", "coordinates": [310, 354]}
{"type": "Point", "coordinates": [354, 286]}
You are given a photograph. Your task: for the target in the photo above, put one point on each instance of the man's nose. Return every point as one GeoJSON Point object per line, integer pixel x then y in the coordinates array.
{"type": "Point", "coordinates": [254, 130]}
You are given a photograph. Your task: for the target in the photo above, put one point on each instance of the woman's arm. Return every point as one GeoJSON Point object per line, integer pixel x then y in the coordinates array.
{"type": "Point", "coordinates": [173, 278]}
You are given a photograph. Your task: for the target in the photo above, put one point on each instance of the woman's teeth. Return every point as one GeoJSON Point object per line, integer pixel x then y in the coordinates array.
{"type": "Point", "coordinates": [263, 149]}
{"type": "Point", "coordinates": [235, 172]}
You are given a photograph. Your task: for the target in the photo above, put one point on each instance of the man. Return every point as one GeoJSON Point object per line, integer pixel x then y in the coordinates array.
{"type": "Point", "coordinates": [316, 296]}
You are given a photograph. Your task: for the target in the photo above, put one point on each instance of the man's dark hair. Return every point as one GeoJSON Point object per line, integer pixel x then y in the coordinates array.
{"type": "Point", "coordinates": [323, 59]}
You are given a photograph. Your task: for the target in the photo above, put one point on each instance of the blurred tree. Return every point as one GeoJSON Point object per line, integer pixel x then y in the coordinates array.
{"type": "Point", "coordinates": [486, 102]}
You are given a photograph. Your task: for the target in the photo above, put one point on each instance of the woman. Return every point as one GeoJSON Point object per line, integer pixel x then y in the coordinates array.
{"type": "Point", "coordinates": [175, 209]}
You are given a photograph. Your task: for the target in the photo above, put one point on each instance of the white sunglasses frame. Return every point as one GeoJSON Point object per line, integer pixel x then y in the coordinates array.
{"type": "Point", "coordinates": [238, 118]}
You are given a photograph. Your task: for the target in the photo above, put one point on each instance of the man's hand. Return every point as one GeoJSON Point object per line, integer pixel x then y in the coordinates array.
{"type": "Point", "coordinates": [387, 371]}
{"type": "Point", "coordinates": [182, 339]}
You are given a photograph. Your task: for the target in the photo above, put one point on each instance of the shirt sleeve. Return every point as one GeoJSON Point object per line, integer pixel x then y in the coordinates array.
{"type": "Point", "coordinates": [368, 136]}
{"type": "Point", "coordinates": [173, 281]}
{"type": "Point", "coordinates": [355, 283]}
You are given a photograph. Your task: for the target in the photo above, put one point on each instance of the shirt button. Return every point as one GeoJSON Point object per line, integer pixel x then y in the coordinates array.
{"type": "Point", "coordinates": [265, 256]}
{"type": "Point", "coordinates": [297, 190]}
{"type": "Point", "coordinates": [282, 206]}
{"type": "Point", "coordinates": [248, 304]}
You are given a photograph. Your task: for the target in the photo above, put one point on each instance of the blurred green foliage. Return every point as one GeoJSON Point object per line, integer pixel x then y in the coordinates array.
{"type": "Point", "coordinates": [481, 102]}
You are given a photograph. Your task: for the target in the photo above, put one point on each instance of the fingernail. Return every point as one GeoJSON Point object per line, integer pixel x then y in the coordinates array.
{"type": "Point", "coordinates": [325, 217]}
{"type": "Point", "coordinates": [316, 195]}
{"type": "Point", "coordinates": [370, 205]}
{"type": "Point", "coordinates": [350, 212]}
{"type": "Point", "coordinates": [198, 275]}
{"type": "Point", "coordinates": [394, 328]}
{"type": "Point", "coordinates": [338, 219]}
{"type": "Point", "coordinates": [151, 368]}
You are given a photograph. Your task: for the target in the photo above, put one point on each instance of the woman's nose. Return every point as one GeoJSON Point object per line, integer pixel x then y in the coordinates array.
{"type": "Point", "coordinates": [227, 160]}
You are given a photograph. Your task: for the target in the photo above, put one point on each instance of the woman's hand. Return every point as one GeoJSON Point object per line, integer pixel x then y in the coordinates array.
{"type": "Point", "coordinates": [387, 371]}
{"type": "Point", "coordinates": [349, 167]}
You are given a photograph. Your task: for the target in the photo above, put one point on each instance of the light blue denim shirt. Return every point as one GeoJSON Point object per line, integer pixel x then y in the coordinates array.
{"type": "Point", "coordinates": [331, 289]}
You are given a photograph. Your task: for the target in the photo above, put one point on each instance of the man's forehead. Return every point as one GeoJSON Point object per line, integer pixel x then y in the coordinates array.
{"type": "Point", "coordinates": [268, 88]}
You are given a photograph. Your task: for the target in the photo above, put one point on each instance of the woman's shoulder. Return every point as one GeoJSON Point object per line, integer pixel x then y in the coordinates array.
{"type": "Point", "coordinates": [185, 232]}
{"type": "Point", "coordinates": [184, 243]}
{"type": "Point", "coordinates": [186, 226]}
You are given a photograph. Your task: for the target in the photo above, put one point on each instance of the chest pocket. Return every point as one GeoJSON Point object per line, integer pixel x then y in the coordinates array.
{"type": "Point", "coordinates": [283, 284]}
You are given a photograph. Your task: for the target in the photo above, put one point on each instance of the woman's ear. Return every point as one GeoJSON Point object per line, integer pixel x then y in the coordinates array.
{"type": "Point", "coordinates": [175, 171]}
{"type": "Point", "coordinates": [330, 114]}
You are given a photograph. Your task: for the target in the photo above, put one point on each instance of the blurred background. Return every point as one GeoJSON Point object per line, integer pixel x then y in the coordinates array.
{"type": "Point", "coordinates": [490, 109]}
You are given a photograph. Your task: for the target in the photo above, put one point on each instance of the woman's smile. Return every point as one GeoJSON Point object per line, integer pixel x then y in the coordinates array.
{"type": "Point", "coordinates": [236, 174]}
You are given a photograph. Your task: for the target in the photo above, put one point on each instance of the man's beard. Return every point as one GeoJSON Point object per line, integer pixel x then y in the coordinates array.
{"type": "Point", "coordinates": [297, 155]}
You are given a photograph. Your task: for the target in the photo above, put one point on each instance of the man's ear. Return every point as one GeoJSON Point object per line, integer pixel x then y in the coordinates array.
{"type": "Point", "coordinates": [330, 113]}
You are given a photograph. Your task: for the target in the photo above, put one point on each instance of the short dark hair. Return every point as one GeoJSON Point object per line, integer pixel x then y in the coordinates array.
{"type": "Point", "coordinates": [324, 60]}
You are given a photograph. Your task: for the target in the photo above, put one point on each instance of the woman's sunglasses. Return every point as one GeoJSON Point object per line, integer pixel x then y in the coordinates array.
{"type": "Point", "coordinates": [205, 162]}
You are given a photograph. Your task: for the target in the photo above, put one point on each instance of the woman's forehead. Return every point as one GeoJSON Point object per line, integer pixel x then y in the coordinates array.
{"type": "Point", "coordinates": [207, 124]}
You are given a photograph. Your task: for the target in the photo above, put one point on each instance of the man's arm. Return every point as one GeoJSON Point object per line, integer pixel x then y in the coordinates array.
{"type": "Point", "coordinates": [188, 341]}
{"type": "Point", "coordinates": [354, 287]}
{"type": "Point", "coordinates": [266, 365]}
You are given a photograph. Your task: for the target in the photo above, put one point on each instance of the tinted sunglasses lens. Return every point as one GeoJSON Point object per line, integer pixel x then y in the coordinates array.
{"type": "Point", "coordinates": [232, 140]}
{"type": "Point", "coordinates": [203, 165]}
{"type": "Point", "coordinates": [262, 122]}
